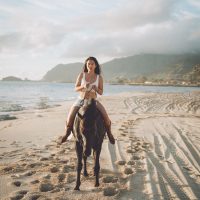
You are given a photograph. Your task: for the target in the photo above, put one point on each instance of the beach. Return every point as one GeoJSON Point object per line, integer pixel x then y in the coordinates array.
{"type": "Point", "coordinates": [156, 154]}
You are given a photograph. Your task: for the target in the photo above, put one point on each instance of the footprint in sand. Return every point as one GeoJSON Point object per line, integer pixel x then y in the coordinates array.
{"type": "Point", "coordinates": [70, 178]}
{"type": "Point", "coordinates": [8, 169]}
{"type": "Point", "coordinates": [128, 171]}
{"type": "Point", "coordinates": [18, 195]}
{"type": "Point", "coordinates": [141, 169]}
{"type": "Point", "coordinates": [130, 151]}
{"type": "Point", "coordinates": [45, 187]}
{"type": "Point", "coordinates": [34, 196]}
{"type": "Point", "coordinates": [131, 162]}
{"type": "Point", "coordinates": [44, 159]}
{"type": "Point", "coordinates": [32, 165]}
{"type": "Point", "coordinates": [47, 176]}
{"type": "Point", "coordinates": [120, 162]}
{"type": "Point", "coordinates": [110, 191]}
{"type": "Point", "coordinates": [109, 179]}
{"type": "Point", "coordinates": [136, 157]}
{"type": "Point", "coordinates": [68, 168]}
{"type": "Point", "coordinates": [54, 169]}
{"type": "Point", "coordinates": [35, 182]}
{"type": "Point", "coordinates": [16, 183]}
{"type": "Point", "coordinates": [13, 143]}
{"type": "Point", "coordinates": [56, 190]}
{"type": "Point", "coordinates": [61, 151]}
{"type": "Point", "coordinates": [61, 177]}
{"type": "Point", "coordinates": [64, 161]}
{"type": "Point", "coordinates": [29, 173]}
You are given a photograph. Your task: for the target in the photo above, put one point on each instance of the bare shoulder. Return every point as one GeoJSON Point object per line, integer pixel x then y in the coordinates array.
{"type": "Point", "coordinates": [80, 76]}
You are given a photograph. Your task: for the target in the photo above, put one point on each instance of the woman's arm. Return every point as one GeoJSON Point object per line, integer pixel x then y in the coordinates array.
{"type": "Point", "coordinates": [78, 86]}
{"type": "Point", "coordinates": [99, 89]}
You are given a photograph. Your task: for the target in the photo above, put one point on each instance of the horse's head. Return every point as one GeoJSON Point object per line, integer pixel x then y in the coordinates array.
{"type": "Point", "coordinates": [89, 127]}
{"type": "Point", "coordinates": [87, 114]}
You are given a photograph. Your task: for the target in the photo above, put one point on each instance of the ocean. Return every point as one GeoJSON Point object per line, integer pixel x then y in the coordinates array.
{"type": "Point", "coordinates": [17, 96]}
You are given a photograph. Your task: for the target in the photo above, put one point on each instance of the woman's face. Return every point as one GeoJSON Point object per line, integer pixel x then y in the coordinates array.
{"type": "Point", "coordinates": [91, 65]}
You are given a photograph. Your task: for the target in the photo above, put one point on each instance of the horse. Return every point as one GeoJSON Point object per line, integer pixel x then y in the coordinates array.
{"type": "Point", "coordinates": [89, 131]}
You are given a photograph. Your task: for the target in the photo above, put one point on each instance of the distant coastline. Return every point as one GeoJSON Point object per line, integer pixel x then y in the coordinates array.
{"type": "Point", "coordinates": [177, 84]}
{"type": "Point", "coordinates": [17, 79]}
{"type": "Point", "coordinates": [13, 78]}
{"type": "Point", "coordinates": [158, 84]}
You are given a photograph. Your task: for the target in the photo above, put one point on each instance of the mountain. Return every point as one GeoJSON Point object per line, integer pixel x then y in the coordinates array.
{"type": "Point", "coordinates": [63, 73]}
{"type": "Point", "coordinates": [11, 78]}
{"type": "Point", "coordinates": [152, 66]}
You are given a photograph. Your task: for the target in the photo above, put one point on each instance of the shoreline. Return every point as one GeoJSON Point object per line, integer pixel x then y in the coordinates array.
{"type": "Point", "coordinates": [162, 85]}
{"type": "Point", "coordinates": [110, 83]}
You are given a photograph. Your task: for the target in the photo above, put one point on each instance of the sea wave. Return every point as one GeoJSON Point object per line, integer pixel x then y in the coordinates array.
{"type": "Point", "coordinates": [7, 117]}
{"type": "Point", "coordinates": [6, 107]}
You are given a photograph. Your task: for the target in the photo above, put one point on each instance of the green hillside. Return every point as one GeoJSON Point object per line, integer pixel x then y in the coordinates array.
{"type": "Point", "coordinates": [150, 66]}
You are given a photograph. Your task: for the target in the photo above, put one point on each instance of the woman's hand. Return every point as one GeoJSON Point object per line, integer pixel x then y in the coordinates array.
{"type": "Point", "coordinates": [94, 87]}
{"type": "Point", "coordinates": [86, 95]}
{"type": "Point", "coordinates": [87, 85]}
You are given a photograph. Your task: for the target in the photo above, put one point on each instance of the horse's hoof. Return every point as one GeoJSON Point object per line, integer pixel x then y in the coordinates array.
{"type": "Point", "coordinates": [85, 174]}
{"type": "Point", "coordinates": [77, 188]}
{"type": "Point", "coordinates": [96, 184]}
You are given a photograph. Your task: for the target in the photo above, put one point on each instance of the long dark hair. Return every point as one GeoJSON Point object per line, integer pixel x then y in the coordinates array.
{"type": "Point", "coordinates": [97, 69]}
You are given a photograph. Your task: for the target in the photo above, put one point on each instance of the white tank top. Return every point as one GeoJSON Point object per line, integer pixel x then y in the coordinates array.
{"type": "Point", "coordinates": [83, 82]}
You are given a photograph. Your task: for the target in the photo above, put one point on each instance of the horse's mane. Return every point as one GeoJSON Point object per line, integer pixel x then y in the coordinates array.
{"type": "Point", "coordinates": [90, 110]}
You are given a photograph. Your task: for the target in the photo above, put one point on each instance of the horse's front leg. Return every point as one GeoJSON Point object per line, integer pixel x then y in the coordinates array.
{"type": "Point", "coordinates": [79, 153]}
{"type": "Point", "coordinates": [97, 166]}
{"type": "Point", "coordinates": [85, 173]}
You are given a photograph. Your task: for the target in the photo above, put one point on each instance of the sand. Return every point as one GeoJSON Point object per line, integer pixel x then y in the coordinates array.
{"type": "Point", "coordinates": [156, 155]}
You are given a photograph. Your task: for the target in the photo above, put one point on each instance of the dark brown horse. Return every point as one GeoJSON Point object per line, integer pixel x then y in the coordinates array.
{"type": "Point", "coordinates": [89, 131]}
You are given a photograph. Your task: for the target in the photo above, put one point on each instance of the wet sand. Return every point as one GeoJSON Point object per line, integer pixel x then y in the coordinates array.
{"type": "Point", "coordinates": [156, 155]}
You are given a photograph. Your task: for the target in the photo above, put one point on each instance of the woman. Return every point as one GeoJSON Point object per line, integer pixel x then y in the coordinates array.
{"type": "Point", "coordinates": [89, 83]}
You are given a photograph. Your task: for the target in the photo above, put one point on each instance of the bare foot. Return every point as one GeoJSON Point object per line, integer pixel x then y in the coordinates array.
{"type": "Point", "coordinates": [64, 139]}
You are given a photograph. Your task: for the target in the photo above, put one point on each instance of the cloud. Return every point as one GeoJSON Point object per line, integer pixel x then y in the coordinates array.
{"type": "Point", "coordinates": [66, 31]}
{"type": "Point", "coordinates": [195, 3]}
{"type": "Point", "coordinates": [168, 37]}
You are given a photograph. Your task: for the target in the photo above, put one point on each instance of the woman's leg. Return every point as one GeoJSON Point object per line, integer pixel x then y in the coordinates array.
{"type": "Point", "coordinates": [70, 122]}
{"type": "Point", "coordinates": [107, 121]}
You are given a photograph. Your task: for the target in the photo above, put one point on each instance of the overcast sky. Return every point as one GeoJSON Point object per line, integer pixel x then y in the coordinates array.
{"type": "Point", "coordinates": [36, 35]}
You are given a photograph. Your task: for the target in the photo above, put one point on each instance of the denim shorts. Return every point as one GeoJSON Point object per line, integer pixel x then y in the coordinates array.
{"type": "Point", "coordinates": [79, 102]}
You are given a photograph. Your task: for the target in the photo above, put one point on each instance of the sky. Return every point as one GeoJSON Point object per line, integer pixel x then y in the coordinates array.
{"type": "Point", "coordinates": [36, 35]}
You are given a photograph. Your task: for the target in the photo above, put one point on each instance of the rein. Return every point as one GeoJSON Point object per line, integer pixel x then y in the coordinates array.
{"type": "Point", "coordinates": [82, 102]}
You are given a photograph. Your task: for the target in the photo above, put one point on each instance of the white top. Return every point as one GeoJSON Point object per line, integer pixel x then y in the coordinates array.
{"type": "Point", "coordinates": [83, 82]}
